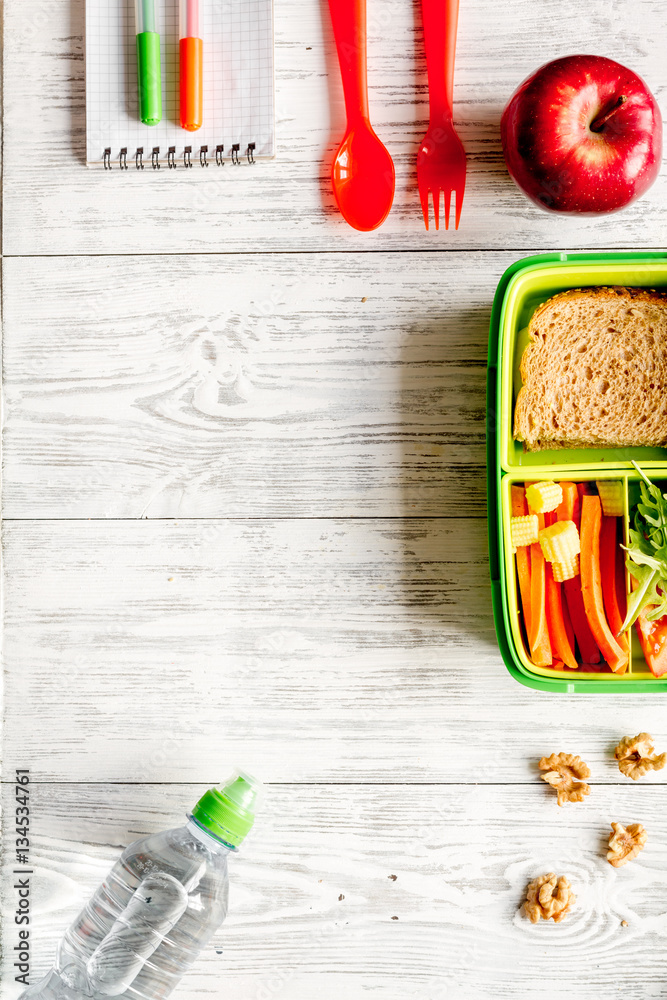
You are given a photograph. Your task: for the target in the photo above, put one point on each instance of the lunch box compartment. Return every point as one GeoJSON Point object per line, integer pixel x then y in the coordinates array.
{"type": "Point", "coordinates": [527, 290]}
{"type": "Point", "coordinates": [637, 667]}
{"type": "Point", "coordinates": [526, 285]}
{"type": "Point", "coordinates": [632, 496]}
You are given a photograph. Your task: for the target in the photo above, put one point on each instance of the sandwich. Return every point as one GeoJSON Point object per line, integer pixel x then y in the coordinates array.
{"type": "Point", "coordinates": [595, 371]}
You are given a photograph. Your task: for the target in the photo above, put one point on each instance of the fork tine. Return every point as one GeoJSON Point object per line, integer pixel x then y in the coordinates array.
{"type": "Point", "coordinates": [436, 207]}
{"type": "Point", "coordinates": [459, 203]}
{"type": "Point", "coordinates": [423, 197]}
{"type": "Point", "coordinates": [448, 198]}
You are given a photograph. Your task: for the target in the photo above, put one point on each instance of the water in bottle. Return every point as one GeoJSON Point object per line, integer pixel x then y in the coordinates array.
{"type": "Point", "coordinates": [157, 908]}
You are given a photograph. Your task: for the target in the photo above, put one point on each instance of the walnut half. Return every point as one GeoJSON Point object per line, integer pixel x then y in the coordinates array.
{"type": "Point", "coordinates": [548, 898]}
{"type": "Point", "coordinates": [563, 771]}
{"type": "Point", "coordinates": [625, 843]}
{"type": "Point", "coordinates": [636, 756]}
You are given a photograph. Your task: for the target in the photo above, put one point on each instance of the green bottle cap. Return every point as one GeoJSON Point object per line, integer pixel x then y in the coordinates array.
{"type": "Point", "coordinates": [150, 77]}
{"type": "Point", "coordinates": [229, 812]}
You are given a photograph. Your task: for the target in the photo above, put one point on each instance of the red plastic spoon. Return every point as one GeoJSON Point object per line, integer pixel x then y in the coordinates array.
{"type": "Point", "coordinates": [363, 172]}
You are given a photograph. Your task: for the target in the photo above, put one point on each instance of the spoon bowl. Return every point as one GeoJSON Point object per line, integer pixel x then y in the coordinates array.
{"type": "Point", "coordinates": [363, 178]}
{"type": "Point", "coordinates": [363, 173]}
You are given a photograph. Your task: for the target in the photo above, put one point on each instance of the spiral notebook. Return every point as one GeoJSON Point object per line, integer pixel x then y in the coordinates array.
{"type": "Point", "coordinates": [239, 116]}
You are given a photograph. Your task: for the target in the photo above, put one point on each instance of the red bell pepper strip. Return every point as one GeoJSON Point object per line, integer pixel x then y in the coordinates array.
{"type": "Point", "coordinates": [569, 631]}
{"type": "Point", "coordinates": [608, 548]}
{"type": "Point", "coordinates": [557, 630]}
{"type": "Point", "coordinates": [621, 585]}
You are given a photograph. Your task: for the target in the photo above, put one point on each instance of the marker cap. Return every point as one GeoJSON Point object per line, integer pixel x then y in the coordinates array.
{"type": "Point", "coordinates": [149, 77]}
{"type": "Point", "coordinates": [192, 82]}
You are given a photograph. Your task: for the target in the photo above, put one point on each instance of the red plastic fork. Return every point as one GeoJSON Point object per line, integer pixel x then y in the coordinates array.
{"type": "Point", "coordinates": [441, 160]}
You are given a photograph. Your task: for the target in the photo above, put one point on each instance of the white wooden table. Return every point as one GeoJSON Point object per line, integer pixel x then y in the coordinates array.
{"type": "Point", "coordinates": [245, 524]}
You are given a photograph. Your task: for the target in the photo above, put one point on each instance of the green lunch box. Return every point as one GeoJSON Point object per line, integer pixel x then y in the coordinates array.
{"type": "Point", "coordinates": [523, 287]}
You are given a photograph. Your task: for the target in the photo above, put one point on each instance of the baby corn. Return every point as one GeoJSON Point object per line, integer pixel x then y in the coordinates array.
{"type": "Point", "coordinates": [611, 497]}
{"type": "Point", "coordinates": [523, 530]}
{"type": "Point", "coordinates": [567, 570]}
{"type": "Point", "coordinates": [543, 497]}
{"type": "Point", "coordinates": [560, 542]}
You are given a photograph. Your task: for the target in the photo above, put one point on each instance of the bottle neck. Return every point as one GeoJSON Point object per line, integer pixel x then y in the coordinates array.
{"type": "Point", "coordinates": [207, 838]}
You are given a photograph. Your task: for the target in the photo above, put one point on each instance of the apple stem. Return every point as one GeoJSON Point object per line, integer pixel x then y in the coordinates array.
{"type": "Point", "coordinates": [599, 123]}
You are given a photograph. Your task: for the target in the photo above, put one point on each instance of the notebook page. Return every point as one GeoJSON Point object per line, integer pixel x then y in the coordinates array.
{"type": "Point", "coordinates": [238, 80]}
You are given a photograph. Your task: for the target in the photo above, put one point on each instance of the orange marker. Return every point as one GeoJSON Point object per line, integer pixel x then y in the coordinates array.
{"type": "Point", "coordinates": [191, 50]}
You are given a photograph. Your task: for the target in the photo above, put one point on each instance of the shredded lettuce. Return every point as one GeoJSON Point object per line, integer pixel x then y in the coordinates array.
{"type": "Point", "coordinates": [647, 554]}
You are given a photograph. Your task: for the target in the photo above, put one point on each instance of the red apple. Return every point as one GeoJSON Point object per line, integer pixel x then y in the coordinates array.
{"type": "Point", "coordinates": [583, 134]}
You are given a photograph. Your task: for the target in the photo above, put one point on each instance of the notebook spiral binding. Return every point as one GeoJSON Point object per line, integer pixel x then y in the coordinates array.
{"type": "Point", "coordinates": [188, 154]}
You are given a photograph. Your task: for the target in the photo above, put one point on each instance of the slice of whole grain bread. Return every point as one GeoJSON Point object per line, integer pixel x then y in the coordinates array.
{"type": "Point", "coordinates": [595, 371]}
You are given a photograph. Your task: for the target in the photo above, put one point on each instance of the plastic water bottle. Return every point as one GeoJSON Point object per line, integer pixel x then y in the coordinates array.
{"type": "Point", "coordinates": [157, 908]}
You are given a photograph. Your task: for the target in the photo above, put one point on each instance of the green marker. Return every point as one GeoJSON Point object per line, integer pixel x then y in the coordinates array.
{"type": "Point", "coordinates": [148, 63]}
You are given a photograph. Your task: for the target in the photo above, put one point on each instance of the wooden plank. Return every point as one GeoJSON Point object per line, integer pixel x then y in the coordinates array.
{"type": "Point", "coordinates": [322, 650]}
{"type": "Point", "coordinates": [54, 204]}
{"type": "Point", "coordinates": [313, 907]}
{"type": "Point", "coordinates": [297, 384]}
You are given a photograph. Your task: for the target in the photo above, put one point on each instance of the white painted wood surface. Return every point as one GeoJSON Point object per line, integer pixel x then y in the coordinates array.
{"type": "Point", "coordinates": [317, 650]}
{"type": "Point", "coordinates": [245, 523]}
{"type": "Point", "coordinates": [314, 909]}
{"type": "Point", "coordinates": [55, 205]}
{"type": "Point", "coordinates": [297, 384]}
